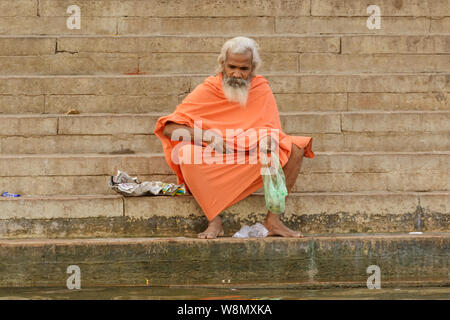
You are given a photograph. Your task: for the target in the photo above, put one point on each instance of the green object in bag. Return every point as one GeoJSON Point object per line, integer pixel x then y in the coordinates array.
{"type": "Point", "coordinates": [275, 189]}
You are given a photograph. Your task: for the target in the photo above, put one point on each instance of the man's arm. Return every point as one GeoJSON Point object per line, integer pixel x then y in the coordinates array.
{"type": "Point", "coordinates": [172, 126]}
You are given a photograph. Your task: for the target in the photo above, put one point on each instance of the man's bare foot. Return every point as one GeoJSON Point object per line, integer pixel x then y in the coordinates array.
{"type": "Point", "coordinates": [277, 228]}
{"type": "Point", "coordinates": [214, 229]}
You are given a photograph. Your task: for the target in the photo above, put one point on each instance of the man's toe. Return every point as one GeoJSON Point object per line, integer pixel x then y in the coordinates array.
{"type": "Point", "coordinates": [206, 235]}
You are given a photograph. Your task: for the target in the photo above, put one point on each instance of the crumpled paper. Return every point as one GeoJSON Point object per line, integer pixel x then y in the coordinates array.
{"type": "Point", "coordinates": [124, 184]}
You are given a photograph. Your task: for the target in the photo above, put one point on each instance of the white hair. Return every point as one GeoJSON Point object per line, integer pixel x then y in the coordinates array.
{"type": "Point", "coordinates": [240, 45]}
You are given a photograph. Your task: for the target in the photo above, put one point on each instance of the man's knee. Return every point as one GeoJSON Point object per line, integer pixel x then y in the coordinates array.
{"type": "Point", "coordinates": [297, 152]}
{"type": "Point", "coordinates": [186, 153]}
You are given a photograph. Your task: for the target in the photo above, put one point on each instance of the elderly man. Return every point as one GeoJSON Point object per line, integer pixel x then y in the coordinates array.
{"type": "Point", "coordinates": [235, 103]}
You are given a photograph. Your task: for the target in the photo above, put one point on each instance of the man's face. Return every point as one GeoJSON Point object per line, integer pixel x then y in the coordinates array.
{"type": "Point", "coordinates": [238, 65]}
{"type": "Point", "coordinates": [236, 77]}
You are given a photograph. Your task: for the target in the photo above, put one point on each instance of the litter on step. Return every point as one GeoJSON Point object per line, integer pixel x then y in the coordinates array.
{"type": "Point", "coordinates": [255, 231]}
{"type": "Point", "coordinates": [124, 184]}
{"type": "Point", "coordinates": [10, 195]}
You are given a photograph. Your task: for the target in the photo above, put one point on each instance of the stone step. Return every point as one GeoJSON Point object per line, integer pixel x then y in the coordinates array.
{"type": "Point", "coordinates": [294, 92]}
{"type": "Point", "coordinates": [172, 54]}
{"type": "Point", "coordinates": [180, 54]}
{"type": "Point", "coordinates": [370, 63]}
{"type": "Point", "coordinates": [345, 44]}
{"type": "Point", "coordinates": [49, 17]}
{"type": "Point", "coordinates": [286, 102]}
{"type": "Point", "coordinates": [319, 261]}
{"type": "Point", "coordinates": [288, 83]}
{"type": "Point", "coordinates": [218, 26]}
{"type": "Point", "coordinates": [86, 63]}
{"type": "Point", "coordinates": [437, 8]}
{"type": "Point", "coordinates": [184, 8]}
{"type": "Point", "coordinates": [85, 174]}
{"type": "Point", "coordinates": [154, 163]}
{"type": "Point", "coordinates": [203, 8]}
{"type": "Point", "coordinates": [142, 143]}
{"type": "Point", "coordinates": [407, 44]}
{"type": "Point", "coordinates": [133, 133]}
{"type": "Point", "coordinates": [277, 43]}
{"type": "Point", "coordinates": [306, 182]}
{"type": "Point", "coordinates": [64, 216]}
{"type": "Point", "coordinates": [291, 122]}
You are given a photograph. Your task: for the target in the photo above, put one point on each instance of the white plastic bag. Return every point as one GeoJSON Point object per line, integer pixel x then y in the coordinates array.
{"type": "Point", "coordinates": [255, 231]}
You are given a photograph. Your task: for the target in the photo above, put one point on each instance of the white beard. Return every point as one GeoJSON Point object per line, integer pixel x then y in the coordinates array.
{"type": "Point", "coordinates": [236, 94]}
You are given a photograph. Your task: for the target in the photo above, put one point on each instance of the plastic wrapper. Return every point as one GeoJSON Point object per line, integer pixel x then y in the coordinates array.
{"type": "Point", "coordinates": [255, 231]}
{"type": "Point", "coordinates": [275, 190]}
{"type": "Point", "coordinates": [10, 195]}
{"type": "Point", "coordinates": [130, 186]}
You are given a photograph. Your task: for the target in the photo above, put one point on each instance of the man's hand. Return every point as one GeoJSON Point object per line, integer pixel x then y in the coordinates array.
{"type": "Point", "coordinates": [208, 136]}
{"type": "Point", "coordinates": [220, 146]}
{"type": "Point", "coordinates": [216, 142]}
{"type": "Point", "coordinates": [266, 143]}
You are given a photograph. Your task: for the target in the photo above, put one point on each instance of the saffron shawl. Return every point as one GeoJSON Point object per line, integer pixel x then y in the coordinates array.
{"type": "Point", "coordinates": [217, 186]}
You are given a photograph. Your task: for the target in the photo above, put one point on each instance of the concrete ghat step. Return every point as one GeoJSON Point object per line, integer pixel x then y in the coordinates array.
{"type": "Point", "coordinates": [92, 63]}
{"type": "Point", "coordinates": [129, 143]}
{"type": "Point", "coordinates": [235, 25]}
{"type": "Point", "coordinates": [291, 122]}
{"type": "Point", "coordinates": [367, 44]}
{"type": "Point", "coordinates": [161, 93]}
{"type": "Point", "coordinates": [314, 261]}
{"type": "Point", "coordinates": [306, 182]}
{"type": "Point", "coordinates": [83, 174]}
{"type": "Point", "coordinates": [20, 45]}
{"type": "Point", "coordinates": [312, 213]}
{"type": "Point", "coordinates": [20, 165]}
{"type": "Point", "coordinates": [126, 133]}
{"type": "Point", "coordinates": [123, 102]}
{"type": "Point", "coordinates": [179, 84]}
{"type": "Point", "coordinates": [208, 8]}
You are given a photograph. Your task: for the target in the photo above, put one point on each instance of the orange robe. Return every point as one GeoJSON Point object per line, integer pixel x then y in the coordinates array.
{"type": "Point", "coordinates": [217, 186]}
